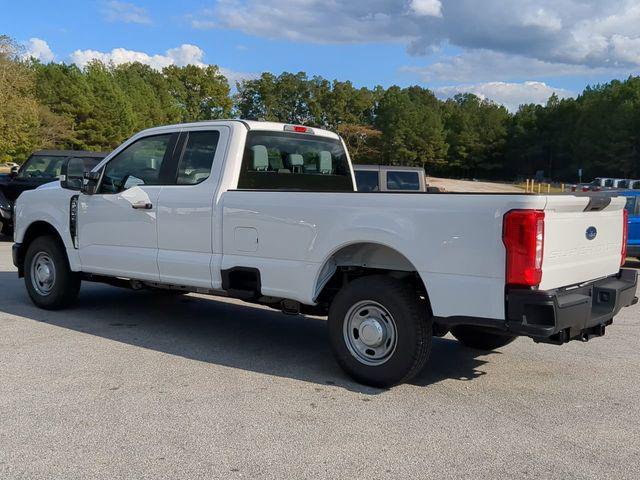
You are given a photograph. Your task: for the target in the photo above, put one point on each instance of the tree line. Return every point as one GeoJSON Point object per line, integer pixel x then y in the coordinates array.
{"type": "Point", "coordinates": [56, 105]}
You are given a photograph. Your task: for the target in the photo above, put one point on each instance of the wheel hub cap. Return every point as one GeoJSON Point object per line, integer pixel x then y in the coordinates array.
{"type": "Point", "coordinates": [43, 273]}
{"type": "Point", "coordinates": [370, 333]}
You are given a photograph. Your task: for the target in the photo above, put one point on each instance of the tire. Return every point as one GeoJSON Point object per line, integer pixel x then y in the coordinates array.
{"type": "Point", "coordinates": [50, 282]}
{"type": "Point", "coordinates": [394, 344]}
{"type": "Point", "coordinates": [481, 339]}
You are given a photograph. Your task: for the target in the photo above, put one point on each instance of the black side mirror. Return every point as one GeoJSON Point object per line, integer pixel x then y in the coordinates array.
{"type": "Point", "coordinates": [14, 171]}
{"type": "Point", "coordinates": [69, 179]}
{"type": "Point", "coordinates": [90, 184]}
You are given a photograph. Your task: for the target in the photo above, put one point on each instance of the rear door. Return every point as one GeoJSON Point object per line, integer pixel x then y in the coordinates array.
{"type": "Point", "coordinates": [117, 226]}
{"type": "Point", "coordinates": [186, 213]}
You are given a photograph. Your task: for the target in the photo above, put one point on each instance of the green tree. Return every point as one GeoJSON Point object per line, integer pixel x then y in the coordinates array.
{"type": "Point", "coordinates": [201, 93]}
{"type": "Point", "coordinates": [412, 128]}
{"type": "Point", "coordinates": [476, 134]}
{"type": "Point", "coordinates": [148, 92]}
{"type": "Point", "coordinates": [25, 124]}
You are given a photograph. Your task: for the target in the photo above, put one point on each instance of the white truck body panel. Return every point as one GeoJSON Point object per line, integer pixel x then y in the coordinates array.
{"type": "Point", "coordinates": [192, 233]}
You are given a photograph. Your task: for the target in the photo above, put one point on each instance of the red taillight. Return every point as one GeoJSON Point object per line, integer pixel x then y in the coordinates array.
{"type": "Point", "coordinates": [298, 129]}
{"type": "Point", "coordinates": [625, 236]}
{"type": "Point", "coordinates": [523, 237]}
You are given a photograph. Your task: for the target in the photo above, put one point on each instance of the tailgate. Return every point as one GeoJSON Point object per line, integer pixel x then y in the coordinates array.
{"type": "Point", "coordinates": [582, 240]}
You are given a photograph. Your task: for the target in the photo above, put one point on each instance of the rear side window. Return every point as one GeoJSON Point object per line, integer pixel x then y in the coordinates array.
{"type": "Point", "coordinates": [631, 205]}
{"type": "Point", "coordinates": [403, 180]}
{"type": "Point", "coordinates": [367, 181]}
{"type": "Point", "coordinates": [197, 159]}
{"type": "Point", "coordinates": [292, 161]}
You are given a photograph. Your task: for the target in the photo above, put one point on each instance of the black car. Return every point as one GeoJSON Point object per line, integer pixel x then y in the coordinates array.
{"type": "Point", "coordinates": [40, 168]}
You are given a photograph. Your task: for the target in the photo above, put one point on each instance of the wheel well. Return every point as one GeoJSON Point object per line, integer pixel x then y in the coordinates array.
{"type": "Point", "coordinates": [365, 259]}
{"type": "Point", "coordinates": [35, 230]}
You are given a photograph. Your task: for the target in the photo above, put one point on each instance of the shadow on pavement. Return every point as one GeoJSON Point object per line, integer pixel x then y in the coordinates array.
{"type": "Point", "coordinates": [238, 336]}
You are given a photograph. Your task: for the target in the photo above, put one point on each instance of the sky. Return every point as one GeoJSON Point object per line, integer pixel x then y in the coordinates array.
{"type": "Point", "coordinates": [510, 51]}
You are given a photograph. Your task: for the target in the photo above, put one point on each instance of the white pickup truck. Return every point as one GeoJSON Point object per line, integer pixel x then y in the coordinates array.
{"type": "Point", "coordinates": [269, 213]}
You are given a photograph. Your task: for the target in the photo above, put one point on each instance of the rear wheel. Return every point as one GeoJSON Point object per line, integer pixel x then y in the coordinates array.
{"type": "Point", "coordinates": [50, 282]}
{"type": "Point", "coordinates": [380, 331]}
{"type": "Point", "coordinates": [482, 339]}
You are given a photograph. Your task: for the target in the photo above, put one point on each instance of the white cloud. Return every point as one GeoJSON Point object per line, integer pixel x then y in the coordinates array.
{"type": "Point", "coordinates": [116, 11]}
{"type": "Point", "coordinates": [185, 54]}
{"type": "Point", "coordinates": [591, 34]}
{"type": "Point", "coordinates": [487, 65]}
{"type": "Point", "coordinates": [39, 49]}
{"type": "Point", "coordinates": [427, 8]}
{"type": "Point", "coordinates": [511, 95]}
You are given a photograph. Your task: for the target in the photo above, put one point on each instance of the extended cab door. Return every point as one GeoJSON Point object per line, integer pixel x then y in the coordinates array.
{"type": "Point", "coordinates": [187, 213]}
{"type": "Point", "coordinates": [117, 226]}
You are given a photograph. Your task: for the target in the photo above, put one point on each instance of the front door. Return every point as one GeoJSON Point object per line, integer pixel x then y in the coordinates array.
{"type": "Point", "coordinates": [117, 226]}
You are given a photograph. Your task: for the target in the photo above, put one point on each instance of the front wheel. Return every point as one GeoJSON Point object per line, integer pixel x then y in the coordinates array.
{"type": "Point", "coordinates": [481, 339]}
{"type": "Point", "coordinates": [50, 282]}
{"type": "Point", "coordinates": [380, 331]}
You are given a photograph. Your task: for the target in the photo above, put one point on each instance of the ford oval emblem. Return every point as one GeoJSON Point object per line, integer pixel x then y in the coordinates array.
{"type": "Point", "coordinates": [592, 232]}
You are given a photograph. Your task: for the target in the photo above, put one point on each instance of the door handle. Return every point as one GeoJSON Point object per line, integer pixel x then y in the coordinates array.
{"type": "Point", "coordinates": [142, 206]}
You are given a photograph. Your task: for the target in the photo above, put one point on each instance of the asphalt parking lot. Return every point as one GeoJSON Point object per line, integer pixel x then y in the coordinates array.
{"type": "Point", "coordinates": [138, 385]}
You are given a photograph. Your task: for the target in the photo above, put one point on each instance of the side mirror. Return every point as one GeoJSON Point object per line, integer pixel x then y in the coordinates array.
{"type": "Point", "coordinates": [70, 178]}
{"type": "Point", "coordinates": [14, 171]}
{"type": "Point", "coordinates": [90, 184]}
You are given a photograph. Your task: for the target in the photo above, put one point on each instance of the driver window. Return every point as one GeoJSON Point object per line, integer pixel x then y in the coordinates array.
{"type": "Point", "coordinates": [139, 164]}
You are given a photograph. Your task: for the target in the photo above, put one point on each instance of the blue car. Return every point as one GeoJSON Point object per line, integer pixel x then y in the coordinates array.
{"type": "Point", "coordinates": [633, 207]}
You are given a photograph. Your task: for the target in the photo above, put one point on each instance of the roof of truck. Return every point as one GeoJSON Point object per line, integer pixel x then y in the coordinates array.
{"type": "Point", "coordinates": [249, 124]}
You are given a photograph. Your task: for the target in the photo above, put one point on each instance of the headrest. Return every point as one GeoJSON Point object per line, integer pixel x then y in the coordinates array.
{"type": "Point", "coordinates": [259, 158]}
{"type": "Point", "coordinates": [325, 163]}
{"type": "Point", "coordinates": [295, 159]}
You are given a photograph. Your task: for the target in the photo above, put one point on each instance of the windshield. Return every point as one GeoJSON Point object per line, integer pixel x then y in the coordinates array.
{"type": "Point", "coordinates": [42, 166]}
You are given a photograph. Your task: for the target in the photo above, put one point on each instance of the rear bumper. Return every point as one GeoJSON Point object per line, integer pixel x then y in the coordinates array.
{"type": "Point", "coordinates": [560, 315]}
{"type": "Point", "coordinates": [557, 316]}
